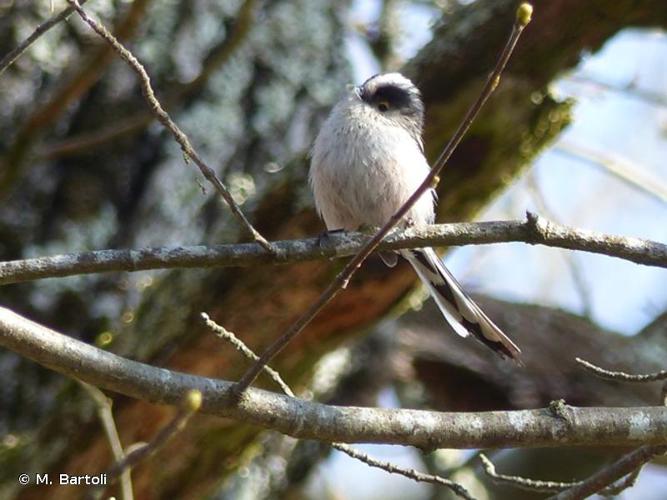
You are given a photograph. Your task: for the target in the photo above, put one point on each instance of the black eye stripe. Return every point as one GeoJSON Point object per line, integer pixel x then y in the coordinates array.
{"type": "Point", "coordinates": [396, 97]}
{"type": "Point", "coordinates": [399, 100]}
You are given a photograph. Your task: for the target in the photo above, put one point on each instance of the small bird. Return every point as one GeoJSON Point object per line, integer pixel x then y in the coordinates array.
{"type": "Point", "coordinates": [367, 160]}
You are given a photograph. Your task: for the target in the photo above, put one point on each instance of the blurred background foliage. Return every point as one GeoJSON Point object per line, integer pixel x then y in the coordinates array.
{"type": "Point", "coordinates": [575, 134]}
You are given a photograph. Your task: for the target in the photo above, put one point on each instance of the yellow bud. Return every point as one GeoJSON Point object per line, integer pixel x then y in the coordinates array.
{"type": "Point", "coordinates": [104, 339]}
{"type": "Point", "coordinates": [524, 13]}
{"type": "Point", "coordinates": [193, 400]}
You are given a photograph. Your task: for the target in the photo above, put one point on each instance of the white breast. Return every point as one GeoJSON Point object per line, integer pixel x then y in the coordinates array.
{"type": "Point", "coordinates": [364, 168]}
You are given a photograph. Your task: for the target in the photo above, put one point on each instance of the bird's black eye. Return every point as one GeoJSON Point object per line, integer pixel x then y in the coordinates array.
{"type": "Point", "coordinates": [383, 106]}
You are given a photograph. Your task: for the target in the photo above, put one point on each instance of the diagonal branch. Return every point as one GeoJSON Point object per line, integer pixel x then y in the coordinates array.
{"type": "Point", "coordinates": [541, 486]}
{"type": "Point", "coordinates": [105, 414]}
{"type": "Point", "coordinates": [214, 60]}
{"type": "Point", "coordinates": [309, 420]}
{"type": "Point", "coordinates": [14, 159]}
{"type": "Point", "coordinates": [621, 376]}
{"type": "Point", "coordinates": [534, 230]}
{"type": "Point", "coordinates": [522, 19]}
{"type": "Point", "coordinates": [164, 118]}
{"type": "Point", "coordinates": [14, 54]}
{"type": "Point", "coordinates": [342, 447]}
{"type": "Point", "coordinates": [523, 483]}
{"type": "Point", "coordinates": [189, 405]}
{"type": "Point", "coordinates": [605, 477]}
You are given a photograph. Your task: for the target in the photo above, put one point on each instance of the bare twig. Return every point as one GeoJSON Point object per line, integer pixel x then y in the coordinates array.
{"type": "Point", "coordinates": [622, 376]}
{"type": "Point", "coordinates": [301, 419]}
{"type": "Point", "coordinates": [238, 344]}
{"type": "Point", "coordinates": [625, 483]}
{"type": "Point", "coordinates": [109, 425]}
{"type": "Point", "coordinates": [656, 98]}
{"type": "Point", "coordinates": [342, 447]}
{"type": "Point", "coordinates": [71, 88]}
{"type": "Point", "coordinates": [164, 118]}
{"type": "Point", "coordinates": [409, 473]}
{"type": "Point", "coordinates": [606, 476]}
{"type": "Point", "coordinates": [13, 55]}
{"type": "Point", "coordinates": [570, 260]}
{"type": "Point", "coordinates": [534, 230]}
{"type": "Point", "coordinates": [637, 178]}
{"type": "Point", "coordinates": [214, 60]}
{"type": "Point", "coordinates": [540, 486]}
{"type": "Point", "coordinates": [522, 19]}
{"type": "Point", "coordinates": [523, 482]}
{"type": "Point", "coordinates": [189, 405]}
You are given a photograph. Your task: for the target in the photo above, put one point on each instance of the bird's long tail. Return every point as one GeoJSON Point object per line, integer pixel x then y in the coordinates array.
{"type": "Point", "coordinates": [460, 311]}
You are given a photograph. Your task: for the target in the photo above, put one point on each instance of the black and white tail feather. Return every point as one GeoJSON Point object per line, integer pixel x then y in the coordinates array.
{"type": "Point", "coordinates": [460, 311]}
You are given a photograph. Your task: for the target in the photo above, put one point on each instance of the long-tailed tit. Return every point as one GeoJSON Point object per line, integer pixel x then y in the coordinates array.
{"type": "Point", "coordinates": [368, 159]}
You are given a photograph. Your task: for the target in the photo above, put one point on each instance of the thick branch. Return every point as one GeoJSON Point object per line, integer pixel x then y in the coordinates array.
{"type": "Point", "coordinates": [308, 420]}
{"type": "Point", "coordinates": [535, 230]}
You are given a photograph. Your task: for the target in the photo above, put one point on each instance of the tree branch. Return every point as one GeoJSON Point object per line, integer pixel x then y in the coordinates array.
{"type": "Point", "coordinates": [14, 54]}
{"type": "Point", "coordinates": [540, 486]}
{"type": "Point", "coordinates": [72, 87]}
{"type": "Point", "coordinates": [105, 414]}
{"type": "Point", "coordinates": [164, 118]}
{"type": "Point", "coordinates": [625, 465]}
{"type": "Point", "coordinates": [534, 230]}
{"type": "Point", "coordinates": [174, 97]}
{"type": "Point", "coordinates": [189, 405]}
{"type": "Point", "coordinates": [621, 376]}
{"type": "Point", "coordinates": [342, 447]}
{"type": "Point", "coordinates": [522, 18]}
{"type": "Point", "coordinates": [524, 483]}
{"type": "Point", "coordinates": [308, 420]}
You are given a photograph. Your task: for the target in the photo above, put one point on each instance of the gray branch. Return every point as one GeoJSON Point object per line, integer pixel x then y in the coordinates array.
{"type": "Point", "coordinates": [534, 230]}
{"type": "Point", "coordinates": [605, 477]}
{"type": "Point", "coordinates": [14, 54]}
{"type": "Point", "coordinates": [309, 420]}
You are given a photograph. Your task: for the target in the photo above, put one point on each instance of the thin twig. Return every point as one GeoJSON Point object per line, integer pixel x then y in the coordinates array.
{"type": "Point", "coordinates": [13, 55]}
{"type": "Point", "coordinates": [608, 475]}
{"type": "Point", "coordinates": [238, 344]}
{"type": "Point", "coordinates": [522, 19]}
{"type": "Point", "coordinates": [105, 414]}
{"type": "Point", "coordinates": [535, 230]}
{"type": "Point", "coordinates": [523, 482]}
{"type": "Point", "coordinates": [310, 420]}
{"type": "Point", "coordinates": [656, 98]}
{"type": "Point", "coordinates": [540, 486]}
{"type": "Point", "coordinates": [190, 404]}
{"type": "Point", "coordinates": [625, 483]}
{"type": "Point", "coordinates": [164, 118]}
{"type": "Point", "coordinates": [570, 260]}
{"type": "Point", "coordinates": [216, 58]}
{"type": "Point", "coordinates": [68, 91]}
{"type": "Point", "coordinates": [622, 376]}
{"type": "Point", "coordinates": [637, 178]}
{"type": "Point", "coordinates": [409, 473]}
{"type": "Point", "coordinates": [342, 447]}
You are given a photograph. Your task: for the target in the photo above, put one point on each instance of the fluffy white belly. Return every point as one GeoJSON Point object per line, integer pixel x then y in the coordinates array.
{"type": "Point", "coordinates": [362, 176]}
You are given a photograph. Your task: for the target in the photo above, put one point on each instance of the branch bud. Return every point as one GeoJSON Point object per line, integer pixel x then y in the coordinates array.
{"type": "Point", "coordinates": [192, 401]}
{"type": "Point", "coordinates": [524, 13]}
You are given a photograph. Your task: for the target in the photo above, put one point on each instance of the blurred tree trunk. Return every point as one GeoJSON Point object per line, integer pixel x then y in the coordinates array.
{"type": "Point", "coordinates": [253, 116]}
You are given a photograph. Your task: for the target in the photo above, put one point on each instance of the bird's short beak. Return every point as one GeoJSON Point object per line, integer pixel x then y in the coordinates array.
{"type": "Point", "coordinates": [355, 89]}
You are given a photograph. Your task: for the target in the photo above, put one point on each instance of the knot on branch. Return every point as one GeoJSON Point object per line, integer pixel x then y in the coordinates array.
{"type": "Point", "coordinates": [537, 228]}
